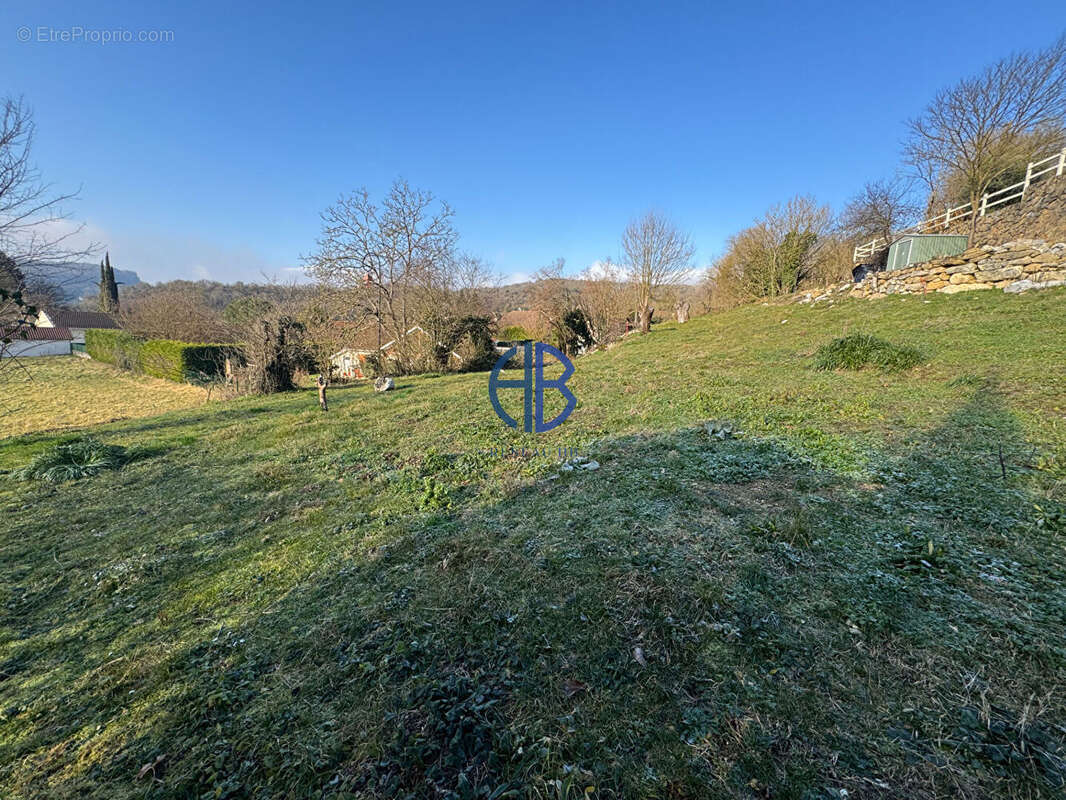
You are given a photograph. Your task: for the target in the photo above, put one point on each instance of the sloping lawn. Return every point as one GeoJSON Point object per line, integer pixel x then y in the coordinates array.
{"type": "Point", "coordinates": [67, 392]}
{"type": "Point", "coordinates": [862, 590]}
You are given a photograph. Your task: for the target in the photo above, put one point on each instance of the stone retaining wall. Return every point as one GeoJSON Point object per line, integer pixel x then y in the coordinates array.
{"type": "Point", "coordinates": [1013, 267]}
{"type": "Point", "coordinates": [1041, 214]}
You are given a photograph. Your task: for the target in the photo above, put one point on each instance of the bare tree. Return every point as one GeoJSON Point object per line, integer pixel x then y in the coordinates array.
{"type": "Point", "coordinates": [272, 348]}
{"type": "Point", "coordinates": [975, 131]}
{"type": "Point", "coordinates": [14, 307]}
{"type": "Point", "coordinates": [270, 337]}
{"type": "Point", "coordinates": [473, 282]}
{"type": "Point", "coordinates": [30, 208]}
{"type": "Point", "coordinates": [833, 263]}
{"type": "Point", "coordinates": [552, 299]}
{"type": "Point", "coordinates": [657, 254]}
{"type": "Point", "coordinates": [879, 211]}
{"type": "Point", "coordinates": [33, 234]}
{"type": "Point", "coordinates": [396, 258]}
{"type": "Point", "coordinates": [606, 298]}
{"type": "Point", "coordinates": [17, 312]}
{"type": "Point", "coordinates": [180, 313]}
{"type": "Point", "coordinates": [458, 291]}
{"type": "Point", "coordinates": [331, 319]}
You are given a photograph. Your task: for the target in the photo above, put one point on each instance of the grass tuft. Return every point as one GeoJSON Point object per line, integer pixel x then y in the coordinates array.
{"type": "Point", "coordinates": [72, 460]}
{"type": "Point", "coordinates": [860, 350]}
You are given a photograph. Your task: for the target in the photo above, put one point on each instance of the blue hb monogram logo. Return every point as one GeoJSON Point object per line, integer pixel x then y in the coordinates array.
{"type": "Point", "coordinates": [533, 385]}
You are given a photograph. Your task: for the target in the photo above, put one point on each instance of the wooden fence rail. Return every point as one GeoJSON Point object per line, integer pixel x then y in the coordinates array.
{"type": "Point", "coordinates": [1037, 169]}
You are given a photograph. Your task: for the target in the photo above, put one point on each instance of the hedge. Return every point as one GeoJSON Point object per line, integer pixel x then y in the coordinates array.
{"type": "Point", "coordinates": [160, 358]}
{"type": "Point", "coordinates": [114, 347]}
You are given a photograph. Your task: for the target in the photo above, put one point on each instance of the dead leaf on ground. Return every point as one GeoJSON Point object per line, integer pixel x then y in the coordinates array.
{"type": "Point", "coordinates": [573, 687]}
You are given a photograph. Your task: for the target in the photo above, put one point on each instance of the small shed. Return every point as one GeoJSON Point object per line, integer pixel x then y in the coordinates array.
{"type": "Point", "coordinates": [914, 248]}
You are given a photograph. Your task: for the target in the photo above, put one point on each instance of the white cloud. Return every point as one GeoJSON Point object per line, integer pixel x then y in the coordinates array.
{"type": "Point", "coordinates": [605, 269]}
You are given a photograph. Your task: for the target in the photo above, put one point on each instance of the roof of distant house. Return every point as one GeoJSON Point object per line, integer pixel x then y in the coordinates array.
{"type": "Point", "coordinates": [367, 338]}
{"type": "Point", "coordinates": [68, 318]}
{"type": "Point", "coordinates": [57, 334]}
{"type": "Point", "coordinates": [520, 317]}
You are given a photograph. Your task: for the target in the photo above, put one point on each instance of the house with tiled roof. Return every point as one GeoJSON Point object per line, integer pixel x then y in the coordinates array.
{"type": "Point", "coordinates": [76, 322]}
{"type": "Point", "coordinates": [351, 361]}
{"type": "Point", "coordinates": [24, 342]}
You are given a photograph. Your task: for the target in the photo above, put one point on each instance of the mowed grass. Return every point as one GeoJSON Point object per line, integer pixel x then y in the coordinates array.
{"type": "Point", "coordinates": [67, 392]}
{"type": "Point", "coordinates": [862, 591]}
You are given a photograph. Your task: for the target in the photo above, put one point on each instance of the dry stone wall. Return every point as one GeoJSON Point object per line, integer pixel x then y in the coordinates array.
{"type": "Point", "coordinates": [1041, 214]}
{"type": "Point", "coordinates": [1013, 267]}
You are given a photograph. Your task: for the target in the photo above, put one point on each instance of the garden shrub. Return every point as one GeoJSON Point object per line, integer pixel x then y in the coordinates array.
{"type": "Point", "coordinates": [859, 350]}
{"type": "Point", "coordinates": [515, 333]}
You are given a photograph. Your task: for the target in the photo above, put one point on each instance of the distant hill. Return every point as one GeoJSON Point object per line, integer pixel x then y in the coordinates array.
{"type": "Point", "coordinates": [498, 299]}
{"type": "Point", "coordinates": [516, 296]}
{"type": "Point", "coordinates": [519, 296]}
{"type": "Point", "coordinates": [216, 295]}
{"type": "Point", "coordinates": [81, 280]}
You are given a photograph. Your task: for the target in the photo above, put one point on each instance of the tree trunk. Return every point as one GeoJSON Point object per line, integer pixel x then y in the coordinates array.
{"type": "Point", "coordinates": [645, 319]}
{"type": "Point", "coordinates": [975, 204]}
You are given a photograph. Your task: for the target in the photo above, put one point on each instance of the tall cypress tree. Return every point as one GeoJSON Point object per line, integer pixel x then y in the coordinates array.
{"type": "Point", "coordinates": [108, 286]}
{"type": "Point", "coordinates": [103, 295]}
{"type": "Point", "coordinates": [112, 286]}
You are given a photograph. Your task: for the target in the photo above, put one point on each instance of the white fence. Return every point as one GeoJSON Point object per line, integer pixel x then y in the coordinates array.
{"type": "Point", "coordinates": [1035, 170]}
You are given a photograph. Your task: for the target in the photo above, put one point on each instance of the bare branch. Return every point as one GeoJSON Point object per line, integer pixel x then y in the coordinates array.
{"type": "Point", "coordinates": [32, 242]}
{"type": "Point", "coordinates": [880, 211]}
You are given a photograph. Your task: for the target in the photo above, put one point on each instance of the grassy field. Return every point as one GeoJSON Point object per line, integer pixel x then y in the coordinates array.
{"type": "Point", "coordinates": [861, 593]}
{"type": "Point", "coordinates": [67, 392]}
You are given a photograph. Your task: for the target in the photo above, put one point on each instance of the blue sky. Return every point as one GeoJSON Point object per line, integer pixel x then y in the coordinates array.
{"type": "Point", "coordinates": [546, 126]}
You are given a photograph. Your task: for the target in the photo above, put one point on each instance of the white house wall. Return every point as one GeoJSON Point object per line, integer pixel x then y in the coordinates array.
{"type": "Point", "coordinates": [24, 349]}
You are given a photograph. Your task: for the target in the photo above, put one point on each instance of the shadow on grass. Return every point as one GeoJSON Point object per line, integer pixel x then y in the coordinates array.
{"type": "Point", "coordinates": [697, 616]}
